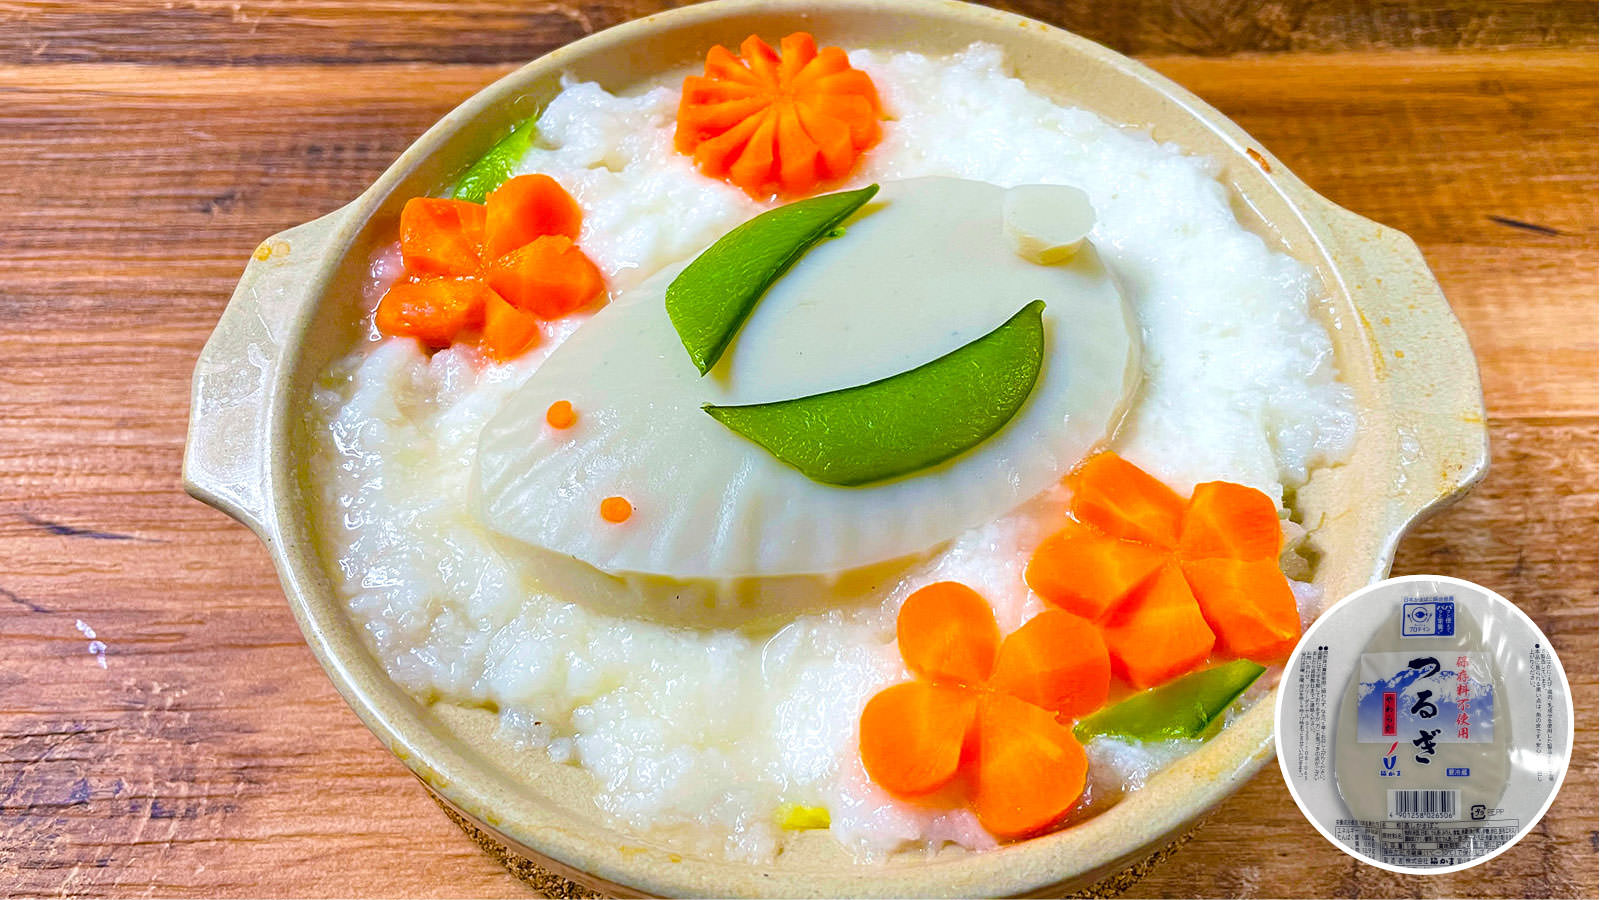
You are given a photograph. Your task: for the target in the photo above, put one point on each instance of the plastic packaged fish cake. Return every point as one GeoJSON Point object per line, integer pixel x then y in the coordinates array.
{"type": "Point", "coordinates": [1424, 724]}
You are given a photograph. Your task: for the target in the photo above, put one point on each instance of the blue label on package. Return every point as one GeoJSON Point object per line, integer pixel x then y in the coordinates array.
{"type": "Point", "coordinates": [1428, 617]}
{"type": "Point", "coordinates": [1444, 697]}
{"type": "Point", "coordinates": [1458, 772]}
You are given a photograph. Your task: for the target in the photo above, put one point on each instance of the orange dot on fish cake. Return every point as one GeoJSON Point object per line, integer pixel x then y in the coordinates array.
{"type": "Point", "coordinates": [615, 510]}
{"type": "Point", "coordinates": [561, 415]}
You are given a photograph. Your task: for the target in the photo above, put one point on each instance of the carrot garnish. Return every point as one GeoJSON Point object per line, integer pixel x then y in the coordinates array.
{"type": "Point", "coordinates": [526, 208]}
{"type": "Point", "coordinates": [616, 510]}
{"type": "Point", "coordinates": [507, 331]}
{"type": "Point", "coordinates": [433, 310]}
{"type": "Point", "coordinates": [947, 632]}
{"type": "Point", "coordinates": [501, 266]}
{"type": "Point", "coordinates": [1027, 768]}
{"type": "Point", "coordinates": [1147, 588]}
{"type": "Point", "coordinates": [776, 122]}
{"type": "Point", "coordinates": [1124, 501]}
{"type": "Point", "coordinates": [1249, 605]}
{"type": "Point", "coordinates": [996, 698]}
{"type": "Point", "coordinates": [1085, 572]}
{"type": "Point", "coordinates": [441, 237]}
{"type": "Point", "coordinates": [1230, 520]}
{"type": "Point", "coordinates": [911, 735]}
{"type": "Point", "coordinates": [560, 415]}
{"type": "Point", "coordinates": [1034, 664]}
{"type": "Point", "coordinates": [548, 277]}
{"type": "Point", "coordinates": [1158, 634]}
{"type": "Point", "coordinates": [1168, 581]}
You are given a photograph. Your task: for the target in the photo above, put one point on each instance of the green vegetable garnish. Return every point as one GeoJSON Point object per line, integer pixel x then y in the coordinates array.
{"type": "Point", "coordinates": [713, 295]}
{"type": "Point", "coordinates": [794, 817]}
{"type": "Point", "coordinates": [1183, 708]}
{"type": "Point", "coordinates": [905, 422]}
{"type": "Point", "coordinates": [494, 167]}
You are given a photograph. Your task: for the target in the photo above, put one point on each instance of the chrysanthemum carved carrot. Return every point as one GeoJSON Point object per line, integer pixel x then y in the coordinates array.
{"type": "Point", "coordinates": [778, 121]}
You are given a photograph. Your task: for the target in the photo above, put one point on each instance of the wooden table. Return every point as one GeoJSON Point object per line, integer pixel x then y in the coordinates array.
{"type": "Point", "coordinates": [146, 146]}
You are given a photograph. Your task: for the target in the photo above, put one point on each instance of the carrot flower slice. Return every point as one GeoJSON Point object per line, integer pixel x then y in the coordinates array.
{"type": "Point", "coordinates": [947, 632]}
{"type": "Point", "coordinates": [1056, 661]}
{"type": "Point", "coordinates": [776, 122]}
{"type": "Point", "coordinates": [487, 272]}
{"type": "Point", "coordinates": [1028, 768]}
{"type": "Point", "coordinates": [912, 733]}
{"type": "Point", "coordinates": [998, 723]}
{"type": "Point", "coordinates": [1168, 580]}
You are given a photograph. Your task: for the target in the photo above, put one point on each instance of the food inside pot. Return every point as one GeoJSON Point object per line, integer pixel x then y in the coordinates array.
{"type": "Point", "coordinates": [847, 440]}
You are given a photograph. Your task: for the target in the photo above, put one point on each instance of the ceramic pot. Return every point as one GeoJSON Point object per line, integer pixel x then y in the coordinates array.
{"type": "Point", "coordinates": [1421, 443]}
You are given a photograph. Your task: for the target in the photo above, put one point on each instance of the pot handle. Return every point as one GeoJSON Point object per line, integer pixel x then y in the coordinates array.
{"type": "Point", "coordinates": [1433, 411]}
{"type": "Point", "coordinates": [225, 460]}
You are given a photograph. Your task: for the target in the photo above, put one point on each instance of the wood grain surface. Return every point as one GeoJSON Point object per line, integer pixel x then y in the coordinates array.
{"type": "Point", "coordinates": [146, 147]}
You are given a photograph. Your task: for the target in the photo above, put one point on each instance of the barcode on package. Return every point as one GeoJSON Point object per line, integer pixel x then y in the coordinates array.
{"type": "Point", "coordinates": [1438, 805]}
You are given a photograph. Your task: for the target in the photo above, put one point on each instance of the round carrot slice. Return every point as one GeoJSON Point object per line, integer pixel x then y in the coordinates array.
{"type": "Point", "coordinates": [947, 632]}
{"type": "Point", "coordinates": [1055, 660]}
{"type": "Point", "coordinates": [1230, 520]}
{"type": "Point", "coordinates": [912, 734]}
{"type": "Point", "coordinates": [526, 208]}
{"type": "Point", "coordinates": [1028, 768]}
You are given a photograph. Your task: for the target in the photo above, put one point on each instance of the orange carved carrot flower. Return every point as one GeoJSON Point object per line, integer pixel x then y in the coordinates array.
{"type": "Point", "coordinates": [987, 709]}
{"type": "Point", "coordinates": [489, 271]}
{"type": "Point", "coordinates": [1167, 581]}
{"type": "Point", "coordinates": [778, 122]}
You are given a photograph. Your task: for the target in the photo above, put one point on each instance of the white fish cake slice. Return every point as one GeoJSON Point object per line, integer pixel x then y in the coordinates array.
{"type": "Point", "coordinates": [923, 269]}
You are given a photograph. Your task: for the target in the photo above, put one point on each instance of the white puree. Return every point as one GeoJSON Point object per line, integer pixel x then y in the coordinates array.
{"type": "Point", "coordinates": [702, 735]}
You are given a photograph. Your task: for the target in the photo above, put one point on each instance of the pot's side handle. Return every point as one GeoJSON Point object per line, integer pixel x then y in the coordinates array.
{"type": "Point", "coordinates": [231, 396]}
{"type": "Point", "coordinates": [1424, 366]}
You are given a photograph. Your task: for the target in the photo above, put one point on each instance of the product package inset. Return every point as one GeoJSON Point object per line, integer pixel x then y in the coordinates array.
{"type": "Point", "coordinates": [1417, 739]}
{"type": "Point", "coordinates": [1446, 717]}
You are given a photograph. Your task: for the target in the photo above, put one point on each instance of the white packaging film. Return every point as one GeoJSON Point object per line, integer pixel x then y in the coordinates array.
{"type": "Point", "coordinates": [1424, 724]}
